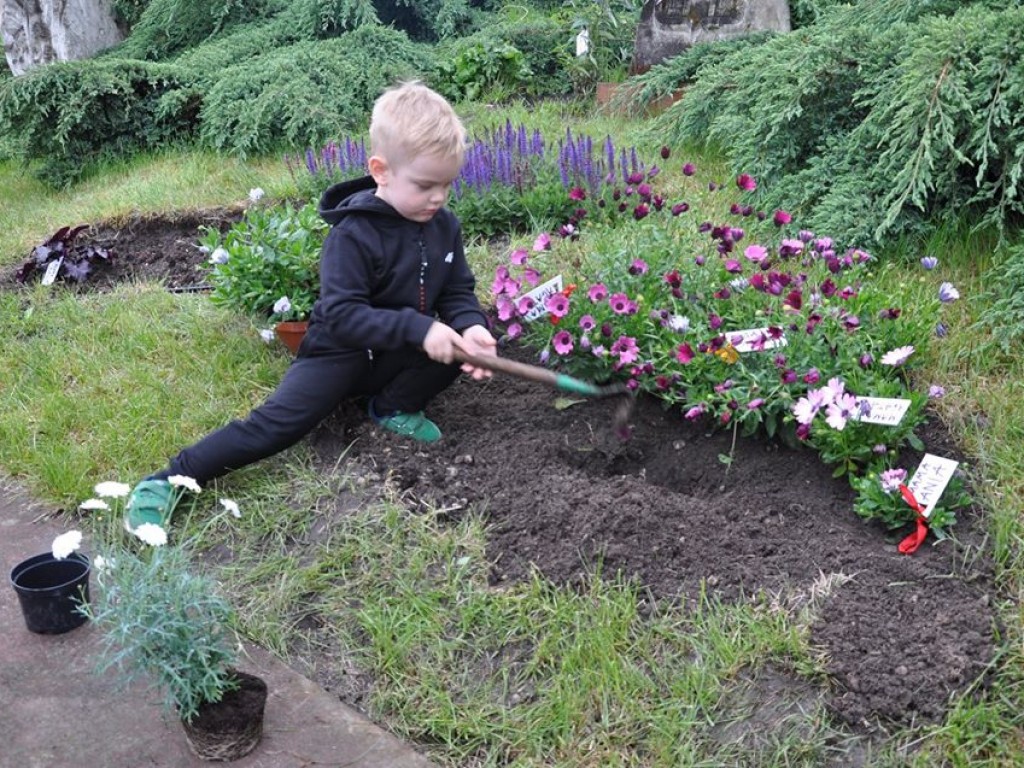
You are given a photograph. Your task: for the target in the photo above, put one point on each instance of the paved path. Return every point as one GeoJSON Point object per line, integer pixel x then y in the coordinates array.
{"type": "Point", "coordinates": [54, 711]}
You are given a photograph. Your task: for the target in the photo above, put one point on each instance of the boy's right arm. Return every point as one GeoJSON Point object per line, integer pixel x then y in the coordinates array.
{"type": "Point", "coordinates": [348, 274]}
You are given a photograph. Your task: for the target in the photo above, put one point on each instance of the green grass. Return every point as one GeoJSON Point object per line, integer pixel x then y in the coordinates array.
{"type": "Point", "coordinates": [107, 386]}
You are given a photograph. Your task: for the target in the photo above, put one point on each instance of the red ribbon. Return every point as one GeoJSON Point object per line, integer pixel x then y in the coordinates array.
{"type": "Point", "coordinates": [910, 544]}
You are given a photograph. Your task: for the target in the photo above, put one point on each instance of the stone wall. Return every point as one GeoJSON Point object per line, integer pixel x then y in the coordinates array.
{"type": "Point", "coordinates": [669, 27]}
{"type": "Point", "coordinates": [36, 32]}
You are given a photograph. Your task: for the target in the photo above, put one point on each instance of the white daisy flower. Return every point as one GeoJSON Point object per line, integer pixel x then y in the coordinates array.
{"type": "Point", "coordinates": [93, 504]}
{"type": "Point", "coordinates": [65, 544]}
{"type": "Point", "coordinates": [151, 534]}
{"type": "Point", "coordinates": [232, 507]}
{"type": "Point", "coordinates": [255, 194]}
{"type": "Point", "coordinates": [219, 256]}
{"type": "Point", "coordinates": [268, 335]}
{"type": "Point", "coordinates": [112, 490]}
{"type": "Point", "coordinates": [182, 481]}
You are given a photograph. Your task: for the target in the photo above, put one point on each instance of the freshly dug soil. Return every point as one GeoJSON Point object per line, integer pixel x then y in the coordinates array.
{"type": "Point", "coordinates": [565, 496]}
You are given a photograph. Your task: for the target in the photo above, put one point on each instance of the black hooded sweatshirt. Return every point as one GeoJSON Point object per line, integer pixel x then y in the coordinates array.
{"type": "Point", "coordinates": [384, 278]}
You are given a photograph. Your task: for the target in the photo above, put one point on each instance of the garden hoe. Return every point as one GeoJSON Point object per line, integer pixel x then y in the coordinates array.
{"type": "Point", "coordinates": [620, 420]}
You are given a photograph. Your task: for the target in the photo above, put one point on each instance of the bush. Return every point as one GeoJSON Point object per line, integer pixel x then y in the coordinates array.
{"type": "Point", "coordinates": [71, 113]}
{"type": "Point", "coordinates": [308, 92]}
{"type": "Point", "coordinates": [541, 41]}
{"type": "Point", "coordinates": [880, 118]}
{"type": "Point", "coordinates": [166, 27]}
{"type": "Point", "coordinates": [270, 254]}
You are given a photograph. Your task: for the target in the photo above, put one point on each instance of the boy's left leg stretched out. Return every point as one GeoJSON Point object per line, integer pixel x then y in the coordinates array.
{"type": "Point", "coordinates": [401, 381]}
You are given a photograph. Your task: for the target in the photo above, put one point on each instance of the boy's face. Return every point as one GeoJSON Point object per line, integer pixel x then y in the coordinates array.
{"type": "Point", "coordinates": [416, 188]}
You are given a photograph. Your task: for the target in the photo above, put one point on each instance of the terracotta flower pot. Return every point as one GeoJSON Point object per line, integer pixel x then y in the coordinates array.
{"type": "Point", "coordinates": [50, 591]}
{"type": "Point", "coordinates": [292, 332]}
{"type": "Point", "coordinates": [232, 727]}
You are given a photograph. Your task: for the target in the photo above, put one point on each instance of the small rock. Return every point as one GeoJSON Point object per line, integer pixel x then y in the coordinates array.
{"type": "Point", "coordinates": [712, 581]}
{"type": "Point", "coordinates": [679, 444]}
{"type": "Point", "coordinates": [902, 670]}
{"type": "Point", "coordinates": [452, 471]}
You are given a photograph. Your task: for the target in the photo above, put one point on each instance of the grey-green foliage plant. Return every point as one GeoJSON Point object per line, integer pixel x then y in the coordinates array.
{"type": "Point", "coordinates": [308, 92]}
{"type": "Point", "coordinates": [877, 119]}
{"type": "Point", "coordinates": [70, 113]}
{"type": "Point", "coordinates": [273, 252]}
{"type": "Point", "coordinates": [163, 621]}
{"type": "Point", "coordinates": [1003, 318]}
{"type": "Point", "coordinates": [166, 27]}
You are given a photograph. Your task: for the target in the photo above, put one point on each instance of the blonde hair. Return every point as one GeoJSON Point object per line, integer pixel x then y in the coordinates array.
{"type": "Point", "coordinates": [411, 120]}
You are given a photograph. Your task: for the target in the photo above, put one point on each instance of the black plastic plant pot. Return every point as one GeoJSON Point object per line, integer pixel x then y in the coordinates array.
{"type": "Point", "coordinates": [50, 591]}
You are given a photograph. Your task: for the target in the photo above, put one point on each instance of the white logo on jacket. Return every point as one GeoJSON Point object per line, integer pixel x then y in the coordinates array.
{"type": "Point", "coordinates": [449, 257]}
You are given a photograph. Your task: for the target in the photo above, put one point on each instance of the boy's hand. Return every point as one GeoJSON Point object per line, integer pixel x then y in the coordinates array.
{"type": "Point", "coordinates": [477, 340]}
{"type": "Point", "coordinates": [440, 343]}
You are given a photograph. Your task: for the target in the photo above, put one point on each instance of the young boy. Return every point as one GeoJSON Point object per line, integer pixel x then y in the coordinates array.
{"type": "Point", "coordinates": [396, 301]}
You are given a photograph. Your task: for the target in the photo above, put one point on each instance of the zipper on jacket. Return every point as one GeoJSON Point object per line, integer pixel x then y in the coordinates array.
{"type": "Point", "coordinates": [423, 272]}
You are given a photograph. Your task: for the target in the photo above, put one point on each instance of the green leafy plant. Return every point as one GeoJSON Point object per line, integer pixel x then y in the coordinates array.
{"type": "Point", "coordinates": [611, 29]}
{"type": "Point", "coordinates": [162, 620]}
{"type": "Point", "coordinates": [274, 252]}
{"type": "Point", "coordinates": [498, 71]}
{"type": "Point", "coordinates": [879, 498]}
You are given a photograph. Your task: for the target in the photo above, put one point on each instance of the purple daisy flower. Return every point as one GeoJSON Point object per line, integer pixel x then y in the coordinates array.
{"type": "Point", "coordinates": [562, 342]}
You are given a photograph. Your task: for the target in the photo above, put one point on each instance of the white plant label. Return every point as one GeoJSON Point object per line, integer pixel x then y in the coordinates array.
{"type": "Point", "coordinates": [539, 294]}
{"type": "Point", "coordinates": [749, 340]}
{"type": "Point", "coordinates": [888, 411]}
{"type": "Point", "coordinates": [583, 42]}
{"type": "Point", "coordinates": [51, 271]}
{"type": "Point", "coordinates": [930, 480]}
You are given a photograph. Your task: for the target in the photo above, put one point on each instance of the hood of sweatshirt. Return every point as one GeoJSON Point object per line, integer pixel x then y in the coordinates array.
{"type": "Point", "coordinates": [355, 196]}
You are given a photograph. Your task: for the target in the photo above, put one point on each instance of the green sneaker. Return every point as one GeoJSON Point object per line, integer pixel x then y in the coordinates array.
{"type": "Point", "coordinates": [151, 501]}
{"type": "Point", "coordinates": [414, 425]}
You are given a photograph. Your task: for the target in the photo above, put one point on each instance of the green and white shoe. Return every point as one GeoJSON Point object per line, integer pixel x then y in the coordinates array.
{"type": "Point", "coordinates": [151, 501]}
{"type": "Point", "coordinates": [414, 425]}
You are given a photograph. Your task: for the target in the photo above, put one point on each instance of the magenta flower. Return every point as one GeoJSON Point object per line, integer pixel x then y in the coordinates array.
{"type": "Point", "coordinates": [689, 169]}
{"type": "Point", "coordinates": [948, 294]}
{"type": "Point", "coordinates": [587, 323]}
{"type": "Point", "coordinates": [790, 247]}
{"type": "Point", "coordinates": [519, 256]}
{"type": "Point", "coordinates": [733, 266]}
{"type": "Point", "coordinates": [635, 178]}
{"type": "Point", "coordinates": [543, 242]}
{"type": "Point", "coordinates": [756, 403]}
{"type": "Point", "coordinates": [788, 376]}
{"type": "Point", "coordinates": [501, 276]}
{"type": "Point", "coordinates": [505, 308]}
{"type": "Point", "coordinates": [684, 353]}
{"type": "Point", "coordinates": [597, 292]}
{"type": "Point", "coordinates": [756, 253]}
{"type": "Point", "coordinates": [644, 190]}
{"type": "Point", "coordinates": [698, 260]}
{"type": "Point", "coordinates": [638, 267]}
{"type": "Point", "coordinates": [531, 275]}
{"type": "Point", "coordinates": [806, 408]}
{"type": "Point", "coordinates": [619, 303]}
{"type": "Point", "coordinates": [714, 322]}
{"type": "Point", "coordinates": [525, 304]}
{"type": "Point", "coordinates": [562, 342]}
{"type": "Point", "coordinates": [929, 262]}
{"type": "Point", "coordinates": [625, 347]}
{"type": "Point", "coordinates": [567, 230]}
{"type": "Point", "coordinates": [514, 330]}
{"type": "Point", "coordinates": [897, 356]}
{"type": "Point", "coordinates": [892, 479]}
{"type": "Point", "coordinates": [812, 376]}
{"type": "Point", "coordinates": [557, 304]}
{"type": "Point", "coordinates": [746, 182]}
{"type": "Point", "coordinates": [781, 217]}
{"type": "Point", "coordinates": [577, 193]}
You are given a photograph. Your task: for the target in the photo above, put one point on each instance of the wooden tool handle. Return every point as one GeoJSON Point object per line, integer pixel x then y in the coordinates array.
{"type": "Point", "coordinates": [511, 367]}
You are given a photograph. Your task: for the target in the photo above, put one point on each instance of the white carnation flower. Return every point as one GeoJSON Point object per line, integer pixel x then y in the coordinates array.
{"type": "Point", "coordinates": [93, 504]}
{"type": "Point", "coordinates": [112, 490]}
{"type": "Point", "coordinates": [151, 534]}
{"type": "Point", "coordinates": [268, 335]}
{"type": "Point", "coordinates": [66, 543]}
{"type": "Point", "coordinates": [102, 565]}
{"type": "Point", "coordinates": [255, 194]}
{"type": "Point", "coordinates": [219, 256]}
{"type": "Point", "coordinates": [182, 481]}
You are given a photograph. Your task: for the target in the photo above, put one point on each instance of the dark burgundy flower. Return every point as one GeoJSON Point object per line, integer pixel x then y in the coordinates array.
{"type": "Point", "coordinates": [834, 266]}
{"type": "Point", "coordinates": [601, 203]}
{"type": "Point", "coordinates": [658, 202]}
{"type": "Point", "coordinates": [761, 215]}
{"type": "Point", "coordinates": [665, 152]}
{"type": "Point", "coordinates": [736, 234]}
{"type": "Point", "coordinates": [851, 322]}
{"type": "Point", "coordinates": [689, 169]}
{"type": "Point", "coordinates": [616, 194]}
{"type": "Point", "coordinates": [644, 190]}
{"type": "Point", "coordinates": [757, 281]}
{"type": "Point", "coordinates": [795, 299]}
{"type": "Point", "coordinates": [726, 417]}
{"type": "Point", "coordinates": [735, 209]}
{"type": "Point", "coordinates": [723, 294]}
{"type": "Point", "coordinates": [889, 314]}
{"type": "Point", "coordinates": [623, 207]}
{"type": "Point", "coordinates": [635, 178]}
{"type": "Point", "coordinates": [663, 382]}
{"type": "Point", "coordinates": [780, 361]}
{"type": "Point", "coordinates": [640, 211]}
{"type": "Point", "coordinates": [680, 208]}
{"type": "Point", "coordinates": [673, 278]}
{"type": "Point", "coordinates": [577, 193]}
{"type": "Point", "coordinates": [865, 360]}
{"type": "Point", "coordinates": [705, 226]}
{"type": "Point", "coordinates": [774, 332]}
{"type": "Point", "coordinates": [812, 376]}
{"type": "Point", "coordinates": [803, 431]}
{"type": "Point", "coordinates": [828, 288]}
{"type": "Point", "coordinates": [702, 348]}
{"type": "Point", "coordinates": [789, 376]}
{"type": "Point", "coordinates": [747, 210]}
{"type": "Point", "coordinates": [712, 186]}
{"type": "Point", "coordinates": [714, 322]}
{"type": "Point", "coordinates": [606, 330]}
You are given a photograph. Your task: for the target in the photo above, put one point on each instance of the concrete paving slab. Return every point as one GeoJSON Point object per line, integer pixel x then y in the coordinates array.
{"type": "Point", "coordinates": [54, 709]}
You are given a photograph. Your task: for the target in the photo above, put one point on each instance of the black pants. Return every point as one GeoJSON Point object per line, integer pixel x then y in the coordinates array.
{"type": "Point", "coordinates": [404, 380]}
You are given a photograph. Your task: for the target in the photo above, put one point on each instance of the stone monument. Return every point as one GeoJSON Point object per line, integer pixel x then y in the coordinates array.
{"type": "Point", "coordinates": [669, 27]}
{"type": "Point", "coordinates": [36, 32]}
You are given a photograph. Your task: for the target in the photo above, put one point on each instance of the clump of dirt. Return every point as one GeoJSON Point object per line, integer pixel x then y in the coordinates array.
{"type": "Point", "coordinates": [563, 495]}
